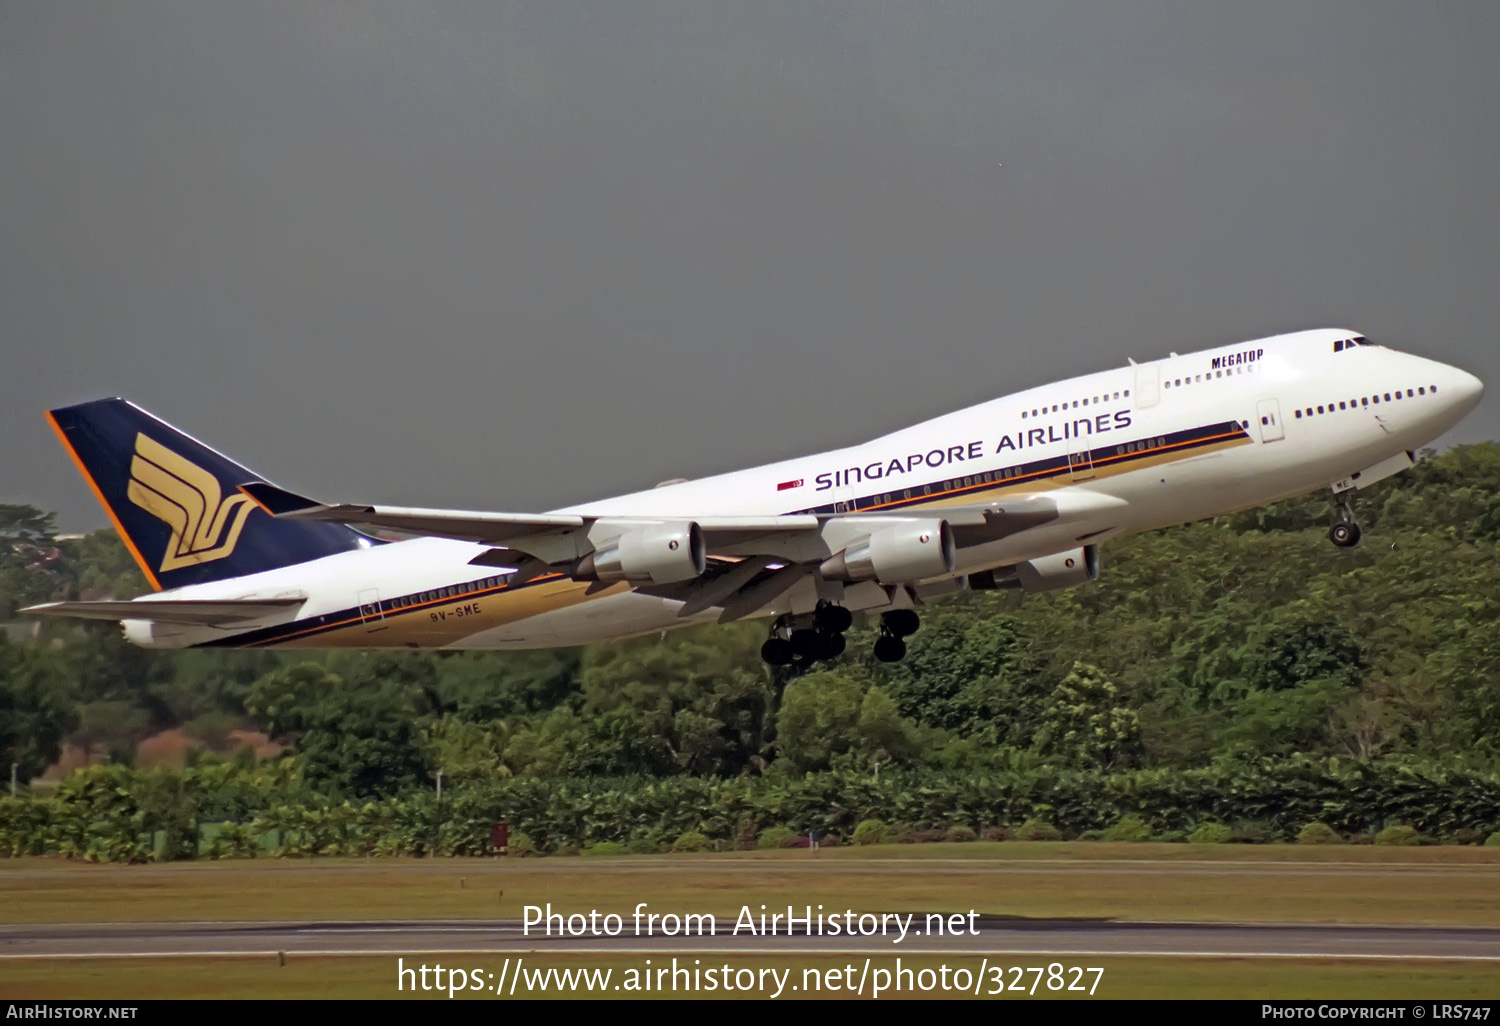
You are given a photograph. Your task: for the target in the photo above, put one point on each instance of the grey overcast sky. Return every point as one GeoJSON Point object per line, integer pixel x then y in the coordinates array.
{"type": "Point", "coordinates": [518, 255]}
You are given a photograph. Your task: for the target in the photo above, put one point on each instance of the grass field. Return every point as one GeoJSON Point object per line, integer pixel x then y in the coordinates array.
{"type": "Point", "coordinates": [1336, 884]}
{"type": "Point", "coordinates": [1142, 882]}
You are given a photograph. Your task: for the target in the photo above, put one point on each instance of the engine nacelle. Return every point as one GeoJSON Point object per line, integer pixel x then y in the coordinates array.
{"type": "Point", "coordinates": [899, 554]}
{"type": "Point", "coordinates": [654, 554]}
{"type": "Point", "coordinates": [1049, 573]}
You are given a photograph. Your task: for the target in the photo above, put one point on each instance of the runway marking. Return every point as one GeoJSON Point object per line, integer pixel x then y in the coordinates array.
{"type": "Point", "coordinates": [758, 951]}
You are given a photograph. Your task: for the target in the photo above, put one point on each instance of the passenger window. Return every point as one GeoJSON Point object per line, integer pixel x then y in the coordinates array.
{"type": "Point", "coordinates": [1365, 401]}
{"type": "Point", "coordinates": [1388, 397]}
{"type": "Point", "coordinates": [1299, 414]}
{"type": "Point", "coordinates": [1341, 404]}
{"type": "Point", "coordinates": [1409, 395]}
{"type": "Point", "coordinates": [1432, 389]}
{"type": "Point", "coordinates": [1320, 409]}
{"type": "Point", "coordinates": [1422, 391]}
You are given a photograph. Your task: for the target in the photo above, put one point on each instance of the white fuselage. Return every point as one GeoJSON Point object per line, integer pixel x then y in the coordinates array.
{"type": "Point", "coordinates": [1130, 449]}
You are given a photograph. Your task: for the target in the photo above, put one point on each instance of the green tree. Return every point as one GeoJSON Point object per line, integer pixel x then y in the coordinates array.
{"type": "Point", "coordinates": [36, 708]}
{"type": "Point", "coordinates": [1086, 725]}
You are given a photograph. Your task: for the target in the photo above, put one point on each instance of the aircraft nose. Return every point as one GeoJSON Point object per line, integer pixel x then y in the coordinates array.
{"type": "Point", "coordinates": [1469, 388]}
{"type": "Point", "coordinates": [1464, 390]}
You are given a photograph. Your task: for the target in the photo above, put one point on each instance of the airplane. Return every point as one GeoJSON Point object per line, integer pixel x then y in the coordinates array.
{"type": "Point", "coordinates": [1017, 492]}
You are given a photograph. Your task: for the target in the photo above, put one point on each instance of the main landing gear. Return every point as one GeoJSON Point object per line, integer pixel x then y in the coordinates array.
{"type": "Point", "coordinates": [895, 627]}
{"type": "Point", "coordinates": [1345, 532]}
{"type": "Point", "coordinates": [803, 640]}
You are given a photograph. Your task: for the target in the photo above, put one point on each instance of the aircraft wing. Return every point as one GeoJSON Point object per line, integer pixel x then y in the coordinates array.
{"type": "Point", "coordinates": [555, 538]}
{"type": "Point", "coordinates": [525, 533]}
{"type": "Point", "coordinates": [192, 612]}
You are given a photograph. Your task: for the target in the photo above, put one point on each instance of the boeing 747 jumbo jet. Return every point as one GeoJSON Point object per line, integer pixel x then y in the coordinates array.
{"type": "Point", "coordinates": [1018, 492]}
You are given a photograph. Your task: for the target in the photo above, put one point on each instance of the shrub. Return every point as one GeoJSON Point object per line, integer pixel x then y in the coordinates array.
{"type": "Point", "coordinates": [1174, 836]}
{"type": "Point", "coordinates": [1038, 830]}
{"type": "Point", "coordinates": [605, 848]}
{"type": "Point", "coordinates": [1249, 835]}
{"type": "Point", "coordinates": [995, 833]}
{"type": "Point", "coordinates": [643, 846]}
{"type": "Point", "coordinates": [926, 836]}
{"type": "Point", "coordinates": [1318, 833]}
{"type": "Point", "coordinates": [962, 833]}
{"type": "Point", "coordinates": [521, 846]}
{"type": "Point", "coordinates": [692, 840]}
{"type": "Point", "coordinates": [1210, 833]}
{"type": "Point", "coordinates": [1398, 833]}
{"type": "Point", "coordinates": [1493, 841]}
{"type": "Point", "coordinates": [775, 837]}
{"type": "Point", "coordinates": [1129, 828]}
{"type": "Point", "coordinates": [871, 831]}
{"type": "Point", "coordinates": [1091, 835]}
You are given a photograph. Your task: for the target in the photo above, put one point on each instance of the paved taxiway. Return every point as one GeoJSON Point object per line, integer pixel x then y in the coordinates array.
{"type": "Point", "coordinates": [994, 936]}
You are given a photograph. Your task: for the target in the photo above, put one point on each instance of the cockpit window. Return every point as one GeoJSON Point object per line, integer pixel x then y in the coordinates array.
{"type": "Point", "coordinates": [1349, 343]}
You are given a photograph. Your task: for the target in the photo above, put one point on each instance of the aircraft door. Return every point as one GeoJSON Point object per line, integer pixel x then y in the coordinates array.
{"type": "Point", "coordinates": [1147, 385]}
{"type": "Point", "coordinates": [1269, 412]}
{"type": "Point", "coordinates": [370, 613]}
{"type": "Point", "coordinates": [1080, 463]}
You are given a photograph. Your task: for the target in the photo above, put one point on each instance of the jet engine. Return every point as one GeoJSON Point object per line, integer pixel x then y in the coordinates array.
{"type": "Point", "coordinates": [904, 552]}
{"type": "Point", "coordinates": [1049, 573]}
{"type": "Point", "coordinates": [654, 554]}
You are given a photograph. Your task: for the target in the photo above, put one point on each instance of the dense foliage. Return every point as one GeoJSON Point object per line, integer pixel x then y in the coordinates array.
{"type": "Point", "coordinates": [1244, 653]}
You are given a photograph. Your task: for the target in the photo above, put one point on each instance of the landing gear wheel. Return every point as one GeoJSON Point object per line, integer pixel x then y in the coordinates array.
{"type": "Point", "coordinates": [833, 646]}
{"type": "Point", "coordinates": [889, 649]}
{"type": "Point", "coordinates": [807, 645]}
{"type": "Point", "coordinates": [776, 651]}
{"type": "Point", "coordinates": [833, 619]}
{"type": "Point", "coordinates": [902, 623]}
{"type": "Point", "coordinates": [1344, 534]}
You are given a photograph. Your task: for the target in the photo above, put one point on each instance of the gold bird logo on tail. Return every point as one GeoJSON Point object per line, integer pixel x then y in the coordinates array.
{"type": "Point", "coordinates": [205, 526]}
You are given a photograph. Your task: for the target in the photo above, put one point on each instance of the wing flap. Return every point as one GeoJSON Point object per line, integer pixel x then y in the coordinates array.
{"type": "Point", "coordinates": [191, 612]}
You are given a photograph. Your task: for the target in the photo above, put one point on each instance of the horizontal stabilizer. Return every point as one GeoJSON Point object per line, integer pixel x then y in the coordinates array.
{"type": "Point", "coordinates": [197, 612]}
{"type": "Point", "coordinates": [278, 501]}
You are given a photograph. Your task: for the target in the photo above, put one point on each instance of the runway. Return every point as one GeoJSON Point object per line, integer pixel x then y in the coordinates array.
{"type": "Point", "coordinates": [992, 936]}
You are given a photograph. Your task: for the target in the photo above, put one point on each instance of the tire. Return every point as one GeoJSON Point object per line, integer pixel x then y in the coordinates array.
{"type": "Point", "coordinates": [807, 644]}
{"type": "Point", "coordinates": [833, 646]}
{"type": "Point", "coordinates": [833, 619]}
{"type": "Point", "coordinates": [902, 622]}
{"type": "Point", "coordinates": [889, 649]}
{"type": "Point", "coordinates": [776, 651]}
{"type": "Point", "coordinates": [1344, 534]}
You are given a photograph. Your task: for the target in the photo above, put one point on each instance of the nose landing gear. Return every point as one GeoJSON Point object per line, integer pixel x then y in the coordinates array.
{"type": "Point", "coordinates": [1345, 532]}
